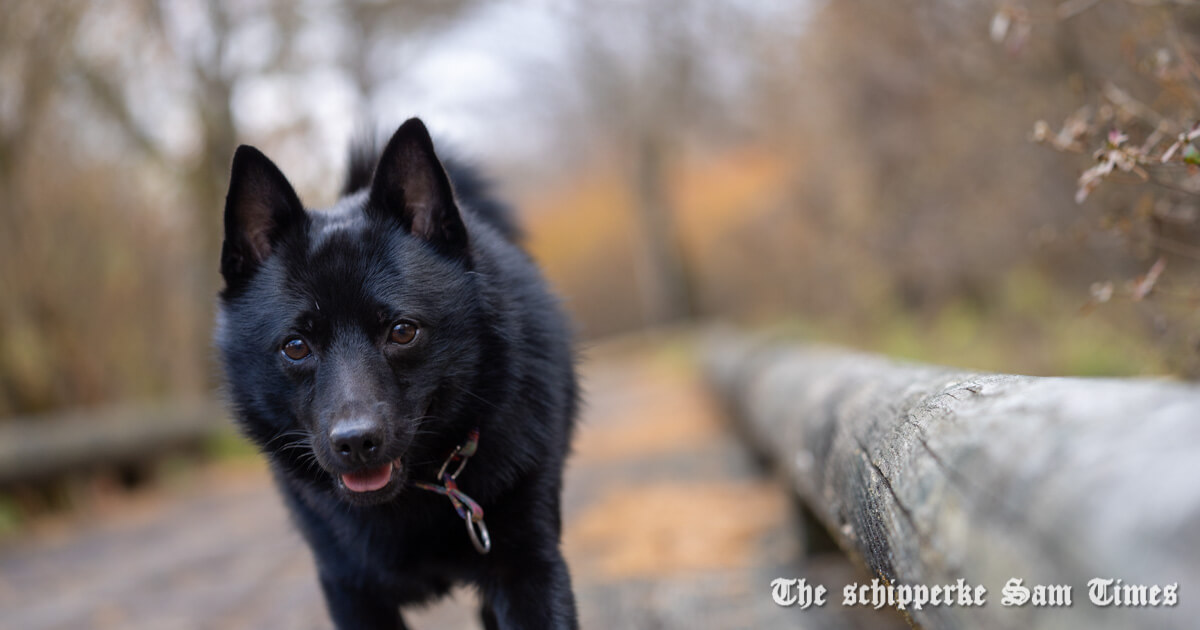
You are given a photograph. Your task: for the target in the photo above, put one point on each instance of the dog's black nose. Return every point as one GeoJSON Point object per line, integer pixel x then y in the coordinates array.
{"type": "Point", "coordinates": [357, 440]}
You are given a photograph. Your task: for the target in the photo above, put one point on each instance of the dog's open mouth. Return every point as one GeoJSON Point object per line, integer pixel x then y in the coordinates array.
{"type": "Point", "coordinates": [370, 479]}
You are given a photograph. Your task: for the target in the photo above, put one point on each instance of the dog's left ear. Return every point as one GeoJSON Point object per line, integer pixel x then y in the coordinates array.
{"type": "Point", "coordinates": [411, 186]}
{"type": "Point", "coordinates": [261, 209]}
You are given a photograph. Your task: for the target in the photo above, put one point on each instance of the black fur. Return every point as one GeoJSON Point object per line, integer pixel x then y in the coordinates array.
{"type": "Point", "coordinates": [492, 351]}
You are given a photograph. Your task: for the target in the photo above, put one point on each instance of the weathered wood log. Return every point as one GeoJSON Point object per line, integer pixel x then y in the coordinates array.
{"type": "Point", "coordinates": [39, 449]}
{"type": "Point", "coordinates": [929, 475]}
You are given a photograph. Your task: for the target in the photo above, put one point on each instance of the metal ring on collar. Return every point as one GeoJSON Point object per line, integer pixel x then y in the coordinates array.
{"type": "Point", "coordinates": [483, 546]}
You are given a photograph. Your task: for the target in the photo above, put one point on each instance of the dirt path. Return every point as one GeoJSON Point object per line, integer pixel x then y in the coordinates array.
{"type": "Point", "coordinates": [669, 525]}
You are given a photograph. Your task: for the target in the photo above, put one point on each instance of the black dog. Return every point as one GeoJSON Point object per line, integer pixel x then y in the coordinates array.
{"type": "Point", "coordinates": [402, 365]}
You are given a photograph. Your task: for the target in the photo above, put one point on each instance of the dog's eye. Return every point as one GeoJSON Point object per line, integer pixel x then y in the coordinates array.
{"type": "Point", "coordinates": [295, 349]}
{"type": "Point", "coordinates": [403, 333]}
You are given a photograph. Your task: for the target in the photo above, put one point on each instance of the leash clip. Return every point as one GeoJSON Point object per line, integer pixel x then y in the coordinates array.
{"type": "Point", "coordinates": [467, 508]}
{"type": "Point", "coordinates": [462, 463]}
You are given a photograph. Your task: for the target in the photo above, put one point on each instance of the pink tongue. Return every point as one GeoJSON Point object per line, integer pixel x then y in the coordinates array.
{"type": "Point", "coordinates": [368, 480]}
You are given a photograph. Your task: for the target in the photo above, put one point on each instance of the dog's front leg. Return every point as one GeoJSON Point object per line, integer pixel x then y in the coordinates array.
{"type": "Point", "coordinates": [533, 595]}
{"type": "Point", "coordinates": [353, 607]}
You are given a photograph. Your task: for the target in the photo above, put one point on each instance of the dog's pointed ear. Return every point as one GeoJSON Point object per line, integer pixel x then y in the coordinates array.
{"type": "Point", "coordinates": [411, 185]}
{"type": "Point", "coordinates": [260, 208]}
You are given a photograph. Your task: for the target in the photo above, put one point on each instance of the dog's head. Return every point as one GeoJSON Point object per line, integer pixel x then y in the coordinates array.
{"type": "Point", "coordinates": [342, 330]}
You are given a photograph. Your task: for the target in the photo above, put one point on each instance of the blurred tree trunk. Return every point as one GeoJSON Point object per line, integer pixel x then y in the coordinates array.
{"type": "Point", "coordinates": [206, 181]}
{"type": "Point", "coordinates": [646, 104]}
{"type": "Point", "coordinates": [664, 281]}
{"type": "Point", "coordinates": [33, 43]}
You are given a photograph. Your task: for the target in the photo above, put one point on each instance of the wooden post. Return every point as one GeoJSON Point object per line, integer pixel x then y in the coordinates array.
{"type": "Point", "coordinates": [929, 474]}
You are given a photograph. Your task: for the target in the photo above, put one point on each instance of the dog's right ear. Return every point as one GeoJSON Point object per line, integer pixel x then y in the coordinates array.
{"type": "Point", "coordinates": [259, 209]}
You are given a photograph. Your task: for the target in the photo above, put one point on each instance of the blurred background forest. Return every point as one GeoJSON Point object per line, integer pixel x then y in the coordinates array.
{"type": "Point", "coordinates": [999, 185]}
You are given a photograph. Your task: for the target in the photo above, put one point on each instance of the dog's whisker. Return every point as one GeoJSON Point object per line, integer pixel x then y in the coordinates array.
{"type": "Point", "coordinates": [287, 434]}
{"type": "Point", "coordinates": [472, 394]}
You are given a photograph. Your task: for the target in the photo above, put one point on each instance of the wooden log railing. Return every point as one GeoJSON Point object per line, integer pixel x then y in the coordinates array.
{"type": "Point", "coordinates": [35, 450]}
{"type": "Point", "coordinates": [928, 475]}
